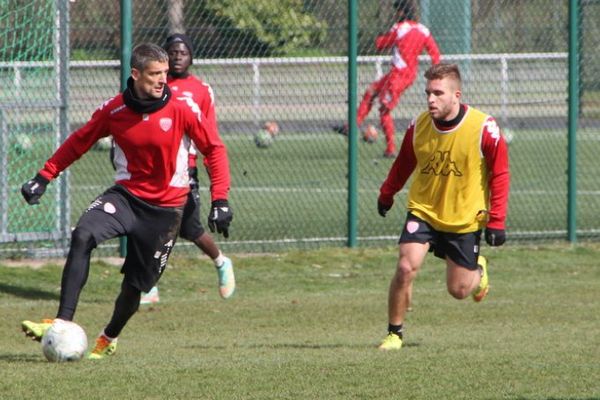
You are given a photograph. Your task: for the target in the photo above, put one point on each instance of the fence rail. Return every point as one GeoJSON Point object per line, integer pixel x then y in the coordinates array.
{"type": "Point", "coordinates": [250, 96]}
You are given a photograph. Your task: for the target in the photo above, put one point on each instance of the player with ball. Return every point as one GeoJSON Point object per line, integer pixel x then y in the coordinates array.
{"type": "Point", "coordinates": [152, 130]}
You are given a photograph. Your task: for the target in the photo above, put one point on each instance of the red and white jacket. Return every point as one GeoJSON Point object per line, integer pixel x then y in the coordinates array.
{"type": "Point", "coordinates": [203, 95]}
{"type": "Point", "coordinates": [408, 39]}
{"type": "Point", "coordinates": [152, 150]}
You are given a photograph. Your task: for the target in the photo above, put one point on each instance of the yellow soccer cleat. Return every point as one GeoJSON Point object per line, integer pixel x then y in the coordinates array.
{"type": "Point", "coordinates": [36, 330]}
{"type": "Point", "coordinates": [391, 342]}
{"type": "Point", "coordinates": [484, 284]}
{"type": "Point", "coordinates": [104, 347]}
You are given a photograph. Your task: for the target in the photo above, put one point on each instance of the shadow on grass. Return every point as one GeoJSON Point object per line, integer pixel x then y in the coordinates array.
{"type": "Point", "coordinates": [28, 292]}
{"type": "Point", "coordinates": [20, 357]}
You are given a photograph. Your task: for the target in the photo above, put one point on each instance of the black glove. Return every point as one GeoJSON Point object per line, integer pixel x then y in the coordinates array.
{"type": "Point", "coordinates": [220, 217]}
{"type": "Point", "coordinates": [34, 188]}
{"type": "Point", "coordinates": [382, 209]}
{"type": "Point", "coordinates": [495, 237]}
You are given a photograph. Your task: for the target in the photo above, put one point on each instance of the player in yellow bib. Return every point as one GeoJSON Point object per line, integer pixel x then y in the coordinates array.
{"type": "Point", "coordinates": [458, 160]}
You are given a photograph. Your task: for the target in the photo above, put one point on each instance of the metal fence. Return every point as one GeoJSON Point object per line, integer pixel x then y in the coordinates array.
{"type": "Point", "coordinates": [294, 193]}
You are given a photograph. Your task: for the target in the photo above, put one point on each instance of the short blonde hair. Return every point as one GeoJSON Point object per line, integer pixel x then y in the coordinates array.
{"type": "Point", "coordinates": [444, 70]}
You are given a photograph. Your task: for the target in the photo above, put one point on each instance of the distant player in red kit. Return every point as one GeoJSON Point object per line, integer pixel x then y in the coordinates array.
{"type": "Point", "coordinates": [152, 131]}
{"type": "Point", "coordinates": [407, 38]}
{"type": "Point", "coordinates": [184, 84]}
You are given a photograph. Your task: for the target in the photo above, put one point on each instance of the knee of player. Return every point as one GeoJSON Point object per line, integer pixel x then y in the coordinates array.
{"type": "Point", "coordinates": [371, 91]}
{"type": "Point", "coordinates": [82, 239]}
{"type": "Point", "coordinates": [404, 270]}
{"type": "Point", "coordinates": [385, 109]}
{"type": "Point", "coordinates": [458, 290]}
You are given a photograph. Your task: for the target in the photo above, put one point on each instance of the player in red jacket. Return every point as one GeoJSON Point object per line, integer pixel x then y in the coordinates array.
{"type": "Point", "coordinates": [183, 84]}
{"type": "Point", "coordinates": [152, 131]}
{"type": "Point", "coordinates": [458, 159]}
{"type": "Point", "coordinates": [407, 38]}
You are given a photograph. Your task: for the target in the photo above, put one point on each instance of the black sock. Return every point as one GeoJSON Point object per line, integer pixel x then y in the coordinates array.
{"type": "Point", "coordinates": [397, 329]}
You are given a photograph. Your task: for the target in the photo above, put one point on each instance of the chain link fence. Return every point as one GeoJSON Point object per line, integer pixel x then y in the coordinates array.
{"type": "Point", "coordinates": [285, 61]}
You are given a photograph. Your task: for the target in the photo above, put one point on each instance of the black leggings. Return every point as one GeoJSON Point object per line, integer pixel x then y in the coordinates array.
{"type": "Point", "coordinates": [126, 305]}
{"type": "Point", "coordinates": [76, 271]}
{"type": "Point", "coordinates": [149, 229]}
{"type": "Point", "coordinates": [75, 276]}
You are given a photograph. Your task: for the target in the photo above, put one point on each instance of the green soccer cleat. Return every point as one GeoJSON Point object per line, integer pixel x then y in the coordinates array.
{"type": "Point", "coordinates": [484, 284]}
{"type": "Point", "coordinates": [151, 297]}
{"type": "Point", "coordinates": [36, 330]}
{"type": "Point", "coordinates": [226, 279]}
{"type": "Point", "coordinates": [104, 347]}
{"type": "Point", "coordinates": [391, 342]}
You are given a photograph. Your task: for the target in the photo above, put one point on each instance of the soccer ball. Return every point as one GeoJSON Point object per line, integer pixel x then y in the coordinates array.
{"type": "Point", "coordinates": [64, 341]}
{"type": "Point", "coordinates": [22, 143]}
{"type": "Point", "coordinates": [272, 127]}
{"type": "Point", "coordinates": [370, 134]}
{"type": "Point", "coordinates": [263, 139]}
{"type": "Point", "coordinates": [104, 143]}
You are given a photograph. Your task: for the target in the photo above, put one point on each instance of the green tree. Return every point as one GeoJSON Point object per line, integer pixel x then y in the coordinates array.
{"type": "Point", "coordinates": [267, 27]}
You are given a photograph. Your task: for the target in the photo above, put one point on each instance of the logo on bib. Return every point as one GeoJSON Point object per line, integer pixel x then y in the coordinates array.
{"type": "Point", "coordinates": [441, 164]}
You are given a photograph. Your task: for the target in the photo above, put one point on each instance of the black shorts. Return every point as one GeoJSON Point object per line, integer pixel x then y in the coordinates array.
{"type": "Point", "coordinates": [462, 248]}
{"type": "Point", "coordinates": [151, 232]}
{"type": "Point", "coordinates": [191, 227]}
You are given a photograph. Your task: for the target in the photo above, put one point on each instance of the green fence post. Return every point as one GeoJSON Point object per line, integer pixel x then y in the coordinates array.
{"type": "Point", "coordinates": [451, 30]}
{"type": "Point", "coordinates": [573, 116]}
{"type": "Point", "coordinates": [352, 128]}
{"type": "Point", "coordinates": [62, 65]}
{"type": "Point", "coordinates": [126, 29]}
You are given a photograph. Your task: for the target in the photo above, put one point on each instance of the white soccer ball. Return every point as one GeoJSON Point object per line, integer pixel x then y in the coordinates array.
{"type": "Point", "coordinates": [263, 139]}
{"type": "Point", "coordinates": [64, 341]}
{"type": "Point", "coordinates": [104, 143]}
{"type": "Point", "coordinates": [23, 143]}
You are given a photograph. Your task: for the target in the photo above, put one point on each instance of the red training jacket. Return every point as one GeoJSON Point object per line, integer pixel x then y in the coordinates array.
{"type": "Point", "coordinates": [408, 38]}
{"type": "Point", "coordinates": [151, 154]}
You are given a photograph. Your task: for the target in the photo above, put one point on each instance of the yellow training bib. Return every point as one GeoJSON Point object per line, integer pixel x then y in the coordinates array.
{"type": "Point", "coordinates": [450, 184]}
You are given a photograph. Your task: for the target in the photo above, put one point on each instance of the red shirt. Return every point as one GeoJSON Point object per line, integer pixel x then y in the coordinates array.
{"type": "Point", "coordinates": [408, 39]}
{"type": "Point", "coordinates": [203, 95]}
{"type": "Point", "coordinates": [151, 154]}
{"type": "Point", "coordinates": [495, 152]}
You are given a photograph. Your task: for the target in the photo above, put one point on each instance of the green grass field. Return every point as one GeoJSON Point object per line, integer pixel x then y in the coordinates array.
{"type": "Point", "coordinates": [304, 325]}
